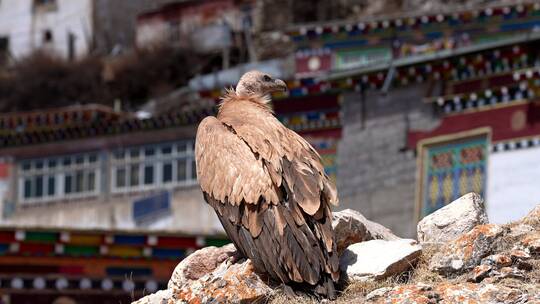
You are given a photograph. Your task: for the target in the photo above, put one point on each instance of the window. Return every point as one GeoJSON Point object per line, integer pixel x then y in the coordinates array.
{"type": "Point", "coordinates": [4, 49]}
{"type": "Point", "coordinates": [45, 5]}
{"type": "Point", "coordinates": [47, 36]}
{"type": "Point", "coordinates": [72, 176]}
{"type": "Point", "coordinates": [153, 167]}
{"type": "Point", "coordinates": [71, 46]}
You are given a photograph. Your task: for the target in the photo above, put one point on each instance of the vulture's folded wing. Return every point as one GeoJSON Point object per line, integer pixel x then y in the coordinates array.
{"type": "Point", "coordinates": [227, 169]}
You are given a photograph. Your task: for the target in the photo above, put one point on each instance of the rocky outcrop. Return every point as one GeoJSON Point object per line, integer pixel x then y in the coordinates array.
{"type": "Point", "coordinates": [467, 251]}
{"type": "Point", "coordinates": [451, 293]}
{"type": "Point", "coordinates": [379, 259]}
{"type": "Point", "coordinates": [453, 220]}
{"type": "Point", "coordinates": [352, 227]}
{"type": "Point", "coordinates": [228, 283]}
{"type": "Point", "coordinates": [485, 264]}
{"type": "Point", "coordinates": [213, 275]}
{"type": "Point", "coordinates": [200, 263]}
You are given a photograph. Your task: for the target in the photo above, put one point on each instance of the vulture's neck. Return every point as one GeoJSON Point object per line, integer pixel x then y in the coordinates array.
{"type": "Point", "coordinates": [233, 103]}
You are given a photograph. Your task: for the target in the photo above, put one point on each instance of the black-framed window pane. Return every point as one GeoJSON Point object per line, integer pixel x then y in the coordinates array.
{"type": "Point", "coordinates": [27, 188]}
{"type": "Point", "coordinates": [68, 187]}
{"type": "Point", "coordinates": [167, 172]}
{"type": "Point", "coordinates": [91, 181]}
{"type": "Point", "coordinates": [26, 165]}
{"type": "Point", "coordinates": [39, 164]}
{"type": "Point", "coordinates": [134, 175]}
{"type": "Point", "coordinates": [67, 161]}
{"type": "Point", "coordinates": [181, 146]}
{"type": "Point", "coordinates": [149, 152]}
{"type": "Point", "coordinates": [79, 181]}
{"type": "Point", "coordinates": [166, 150]}
{"type": "Point", "coordinates": [119, 154]}
{"type": "Point", "coordinates": [52, 163]}
{"type": "Point", "coordinates": [193, 169]}
{"type": "Point", "coordinates": [92, 158]}
{"type": "Point", "coordinates": [134, 153]}
{"type": "Point", "coordinates": [79, 159]}
{"type": "Point", "coordinates": [51, 186]}
{"type": "Point", "coordinates": [120, 177]}
{"type": "Point", "coordinates": [39, 186]}
{"type": "Point", "coordinates": [148, 175]}
{"type": "Point", "coordinates": [181, 169]}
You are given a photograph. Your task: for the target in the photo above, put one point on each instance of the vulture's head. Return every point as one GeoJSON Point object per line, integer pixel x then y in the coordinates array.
{"type": "Point", "coordinates": [259, 83]}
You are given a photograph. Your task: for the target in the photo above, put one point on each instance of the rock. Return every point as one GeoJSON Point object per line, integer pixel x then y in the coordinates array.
{"type": "Point", "coordinates": [377, 293]}
{"type": "Point", "coordinates": [378, 259]}
{"type": "Point", "coordinates": [199, 263]}
{"type": "Point", "coordinates": [211, 275]}
{"type": "Point", "coordinates": [518, 254]}
{"type": "Point", "coordinates": [532, 243]}
{"type": "Point", "coordinates": [160, 297]}
{"type": "Point", "coordinates": [453, 220]}
{"type": "Point", "coordinates": [520, 230]}
{"type": "Point", "coordinates": [509, 272]}
{"type": "Point", "coordinates": [480, 272]}
{"type": "Point", "coordinates": [467, 251]}
{"type": "Point", "coordinates": [533, 217]}
{"type": "Point", "coordinates": [228, 283]}
{"type": "Point", "coordinates": [351, 227]}
{"type": "Point", "coordinates": [453, 293]}
{"type": "Point", "coordinates": [497, 260]}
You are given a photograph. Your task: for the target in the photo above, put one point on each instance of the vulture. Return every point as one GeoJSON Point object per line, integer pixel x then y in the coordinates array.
{"type": "Point", "coordinates": [269, 189]}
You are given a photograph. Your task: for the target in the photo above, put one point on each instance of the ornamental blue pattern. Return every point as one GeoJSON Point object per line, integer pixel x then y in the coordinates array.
{"type": "Point", "coordinates": [452, 169]}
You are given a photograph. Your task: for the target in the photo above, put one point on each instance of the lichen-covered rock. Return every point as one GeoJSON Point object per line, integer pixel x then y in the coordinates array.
{"type": "Point", "coordinates": [533, 217]}
{"type": "Point", "coordinates": [480, 272]}
{"type": "Point", "coordinates": [160, 297]}
{"type": "Point", "coordinates": [532, 243]}
{"type": "Point", "coordinates": [467, 251]}
{"type": "Point", "coordinates": [452, 293]}
{"type": "Point", "coordinates": [497, 260]}
{"type": "Point", "coordinates": [378, 259]}
{"type": "Point", "coordinates": [352, 227]}
{"type": "Point", "coordinates": [453, 220]}
{"type": "Point", "coordinates": [200, 263]}
{"type": "Point", "coordinates": [228, 283]}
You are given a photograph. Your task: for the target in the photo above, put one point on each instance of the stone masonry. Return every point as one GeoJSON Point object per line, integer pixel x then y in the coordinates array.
{"type": "Point", "coordinates": [376, 173]}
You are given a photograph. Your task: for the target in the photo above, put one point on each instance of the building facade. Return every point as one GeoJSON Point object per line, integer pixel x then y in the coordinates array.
{"type": "Point", "coordinates": [429, 107]}
{"type": "Point", "coordinates": [69, 29]}
{"type": "Point", "coordinates": [89, 167]}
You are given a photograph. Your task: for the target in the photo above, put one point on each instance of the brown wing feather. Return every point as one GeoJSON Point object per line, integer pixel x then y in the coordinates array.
{"type": "Point", "coordinates": [275, 144]}
{"type": "Point", "coordinates": [227, 168]}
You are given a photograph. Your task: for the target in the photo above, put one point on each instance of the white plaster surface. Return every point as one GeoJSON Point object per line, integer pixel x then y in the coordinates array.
{"type": "Point", "coordinates": [513, 184]}
{"type": "Point", "coordinates": [25, 28]}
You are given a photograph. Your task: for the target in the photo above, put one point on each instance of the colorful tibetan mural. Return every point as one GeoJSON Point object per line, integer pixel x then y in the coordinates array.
{"type": "Point", "coordinates": [451, 166]}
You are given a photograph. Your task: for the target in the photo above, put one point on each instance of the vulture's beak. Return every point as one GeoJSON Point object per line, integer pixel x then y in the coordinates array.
{"type": "Point", "coordinates": [281, 85]}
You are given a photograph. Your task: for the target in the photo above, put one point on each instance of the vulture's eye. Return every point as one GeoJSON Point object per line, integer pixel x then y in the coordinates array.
{"type": "Point", "coordinates": [267, 78]}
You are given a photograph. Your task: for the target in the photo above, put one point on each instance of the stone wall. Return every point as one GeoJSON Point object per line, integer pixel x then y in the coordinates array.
{"type": "Point", "coordinates": [376, 173]}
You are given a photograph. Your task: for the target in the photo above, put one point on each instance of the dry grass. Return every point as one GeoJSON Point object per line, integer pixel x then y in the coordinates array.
{"type": "Point", "coordinates": [356, 291]}
{"type": "Point", "coordinates": [419, 273]}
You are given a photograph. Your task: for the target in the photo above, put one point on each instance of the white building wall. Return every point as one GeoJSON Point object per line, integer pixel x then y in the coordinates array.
{"type": "Point", "coordinates": [151, 33]}
{"type": "Point", "coordinates": [15, 24]}
{"type": "Point", "coordinates": [513, 184]}
{"type": "Point", "coordinates": [25, 26]}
